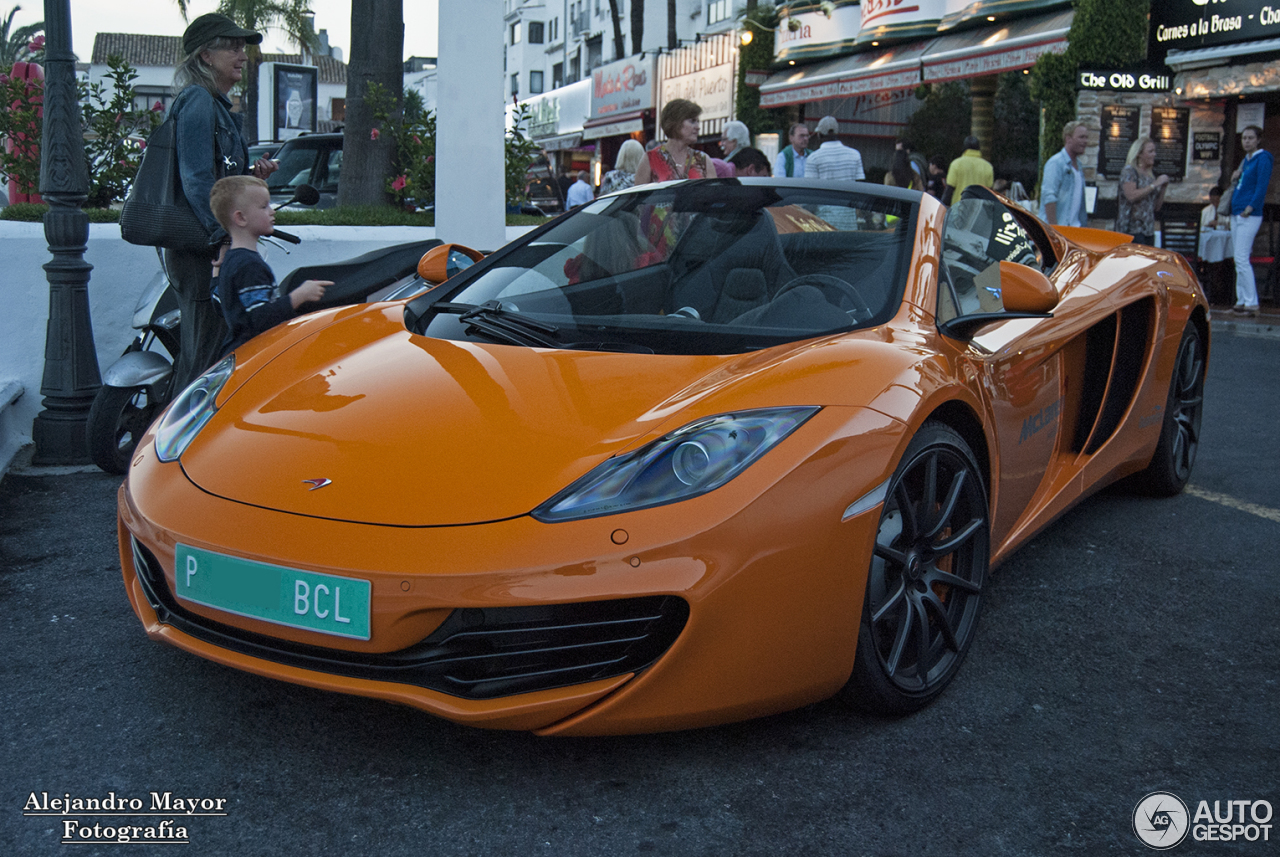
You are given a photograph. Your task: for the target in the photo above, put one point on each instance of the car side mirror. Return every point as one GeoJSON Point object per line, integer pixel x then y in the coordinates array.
{"type": "Point", "coordinates": [442, 262]}
{"type": "Point", "coordinates": [1024, 293]}
{"type": "Point", "coordinates": [1024, 289]}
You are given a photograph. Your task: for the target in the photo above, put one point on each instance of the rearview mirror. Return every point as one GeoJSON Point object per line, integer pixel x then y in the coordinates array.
{"type": "Point", "coordinates": [442, 262]}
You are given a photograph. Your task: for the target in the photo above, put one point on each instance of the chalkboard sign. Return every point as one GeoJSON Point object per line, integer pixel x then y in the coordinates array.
{"type": "Point", "coordinates": [1206, 146]}
{"type": "Point", "coordinates": [1170, 128]}
{"type": "Point", "coordinates": [1119, 130]}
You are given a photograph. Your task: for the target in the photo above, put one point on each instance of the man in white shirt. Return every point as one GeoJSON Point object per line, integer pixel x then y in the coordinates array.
{"type": "Point", "coordinates": [580, 192]}
{"type": "Point", "coordinates": [834, 161]}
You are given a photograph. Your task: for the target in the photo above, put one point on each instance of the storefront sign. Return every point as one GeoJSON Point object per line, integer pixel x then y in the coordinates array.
{"type": "Point", "coordinates": [1125, 80]}
{"type": "Point", "coordinates": [1206, 146]}
{"type": "Point", "coordinates": [711, 89]}
{"type": "Point", "coordinates": [883, 19]}
{"type": "Point", "coordinates": [560, 111]}
{"type": "Point", "coordinates": [812, 34]}
{"type": "Point", "coordinates": [1188, 24]}
{"type": "Point", "coordinates": [1120, 124]}
{"type": "Point", "coordinates": [1170, 128]}
{"type": "Point", "coordinates": [622, 87]}
{"type": "Point", "coordinates": [993, 61]}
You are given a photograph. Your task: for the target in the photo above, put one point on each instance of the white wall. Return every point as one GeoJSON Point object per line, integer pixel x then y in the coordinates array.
{"type": "Point", "coordinates": [120, 272]}
{"type": "Point", "coordinates": [470, 172]}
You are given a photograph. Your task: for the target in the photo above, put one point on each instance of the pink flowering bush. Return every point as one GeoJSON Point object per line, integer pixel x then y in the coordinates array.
{"type": "Point", "coordinates": [412, 183]}
{"type": "Point", "coordinates": [115, 131]}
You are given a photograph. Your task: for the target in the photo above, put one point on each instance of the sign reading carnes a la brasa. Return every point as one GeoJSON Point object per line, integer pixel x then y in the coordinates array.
{"type": "Point", "coordinates": [1188, 24]}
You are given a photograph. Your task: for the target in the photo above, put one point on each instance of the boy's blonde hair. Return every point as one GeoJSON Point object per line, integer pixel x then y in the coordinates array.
{"type": "Point", "coordinates": [226, 195]}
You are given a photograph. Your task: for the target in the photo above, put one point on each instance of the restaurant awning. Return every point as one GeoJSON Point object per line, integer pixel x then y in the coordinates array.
{"type": "Point", "coordinates": [610, 126]}
{"type": "Point", "coordinates": [857, 74]}
{"type": "Point", "coordinates": [1008, 46]}
{"type": "Point", "coordinates": [1218, 54]}
{"type": "Point", "coordinates": [556, 144]}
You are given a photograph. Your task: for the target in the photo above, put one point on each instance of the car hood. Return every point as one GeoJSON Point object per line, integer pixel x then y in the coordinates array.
{"type": "Point", "coordinates": [364, 421]}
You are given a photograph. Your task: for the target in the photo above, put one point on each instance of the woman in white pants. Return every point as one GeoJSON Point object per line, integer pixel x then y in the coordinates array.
{"type": "Point", "coordinates": [1251, 178]}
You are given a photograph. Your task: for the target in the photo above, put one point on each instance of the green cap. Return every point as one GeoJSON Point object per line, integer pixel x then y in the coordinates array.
{"type": "Point", "coordinates": [206, 28]}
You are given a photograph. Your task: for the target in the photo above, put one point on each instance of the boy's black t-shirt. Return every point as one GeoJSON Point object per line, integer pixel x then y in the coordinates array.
{"type": "Point", "coordinates": [246, 290]}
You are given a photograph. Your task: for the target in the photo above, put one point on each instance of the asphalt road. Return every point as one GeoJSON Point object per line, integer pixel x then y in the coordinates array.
{"type": "Point", "coordinates": [1131, 648]}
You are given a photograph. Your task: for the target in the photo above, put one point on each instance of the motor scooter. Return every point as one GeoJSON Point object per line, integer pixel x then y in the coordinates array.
{"type": "Point", "coordinates": [137, 386]}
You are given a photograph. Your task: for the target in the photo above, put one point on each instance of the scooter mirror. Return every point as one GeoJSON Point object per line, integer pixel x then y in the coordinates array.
{"type": "Point", "coordinates": [442, 262]}
{"type": "Point", "coordinates": [303, 194]}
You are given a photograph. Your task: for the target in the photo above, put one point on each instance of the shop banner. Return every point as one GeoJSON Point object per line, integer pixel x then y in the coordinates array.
{"type": "Point", "coordinates": [904, 19]}
{"type": "Point", "coordinates": [560, 111]}
{"type": "Point", "coordinates": [1189, 24]}
{"type": "Point", "coordinates": [621, 87]}
{"type": "Point", "coordinates": [711, 89]}
{"type": "Point", "coordinates": [814, 34]}
{"type": "Point", "coordinates": [1152, 79]}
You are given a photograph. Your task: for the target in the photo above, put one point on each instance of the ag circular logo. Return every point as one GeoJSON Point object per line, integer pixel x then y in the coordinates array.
{"type": "Point", "coordinates": [1160, 820]}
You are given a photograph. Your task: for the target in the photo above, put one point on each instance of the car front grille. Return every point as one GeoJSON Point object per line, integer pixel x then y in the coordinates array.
{"type": "Point", "coordinates": [476, 653]}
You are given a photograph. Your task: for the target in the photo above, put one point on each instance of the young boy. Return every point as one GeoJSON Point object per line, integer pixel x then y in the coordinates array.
{"type": "Point", "coordinates": [245, 284]}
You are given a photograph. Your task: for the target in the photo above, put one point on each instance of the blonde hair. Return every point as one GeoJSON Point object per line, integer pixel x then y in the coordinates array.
{"type": "Point", "coordinates": [194, 70]}
{"type": "Point", "coordinates": [1070, 127]}
{"type": "Point", "coordinates": [226, 196]}
{"type": "Point", "coordinates": [1136, 149]}
{"type": "Point", "coordinates": [629, 157]}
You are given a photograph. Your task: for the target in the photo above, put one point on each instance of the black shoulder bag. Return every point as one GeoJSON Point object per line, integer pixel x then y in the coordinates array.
{"type": "Point", "coordinates": [156, 214]}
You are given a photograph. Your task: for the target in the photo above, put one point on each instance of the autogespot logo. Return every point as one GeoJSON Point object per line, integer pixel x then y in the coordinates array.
{"type": "Point", "coordinates": [1160, 820]}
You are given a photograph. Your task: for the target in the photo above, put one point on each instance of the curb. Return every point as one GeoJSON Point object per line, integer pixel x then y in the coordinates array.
{"type": "Point", "coordinates": [1265, 325]}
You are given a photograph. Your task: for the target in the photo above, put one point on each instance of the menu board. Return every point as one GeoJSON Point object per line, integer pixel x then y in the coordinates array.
{"type": "Point", "coordinates": [1119, 130]}
{"type": "Point", "coordinates": [1170, 128]}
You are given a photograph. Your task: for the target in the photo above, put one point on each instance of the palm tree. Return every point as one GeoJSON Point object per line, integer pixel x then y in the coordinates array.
{"type": "Point", "coordinates": [13, 45]}
{"type": "Point", "coordinates": [377, 52]}
{"type": "Point", "coordinates": [293, 16]}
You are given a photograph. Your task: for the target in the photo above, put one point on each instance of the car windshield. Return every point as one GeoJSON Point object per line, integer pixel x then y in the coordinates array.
{"type": "Point", "coordinates": [297, 163]}
{"type": "Point", "coordinates": [716, 266]}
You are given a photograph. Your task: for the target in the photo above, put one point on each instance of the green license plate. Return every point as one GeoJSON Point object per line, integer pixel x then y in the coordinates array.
{"type": "Point", "coordinates": [285, 596]}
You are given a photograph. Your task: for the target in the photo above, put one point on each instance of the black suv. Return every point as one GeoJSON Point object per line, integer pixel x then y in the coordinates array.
{"type": "Point", "coordinates": [314, 159]}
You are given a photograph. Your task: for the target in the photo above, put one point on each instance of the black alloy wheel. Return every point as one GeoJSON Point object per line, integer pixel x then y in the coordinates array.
{"type": "Point", "coordinates": [924, 589]}
{"type": "Point", "coordinates": [1175, 455]}
{"type": "Point", "coordinates": [118, 418]}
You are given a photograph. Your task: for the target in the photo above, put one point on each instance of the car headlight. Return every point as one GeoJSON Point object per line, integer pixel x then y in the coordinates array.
{"type": "Point", "coordinates": [690, 461]}
{"type": "Point", "coordinates": [194, 407]}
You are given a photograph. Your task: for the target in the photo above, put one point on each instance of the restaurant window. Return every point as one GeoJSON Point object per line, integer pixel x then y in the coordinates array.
{"type": "Point", "coordinates": [595, 52]}
{"type": "Point", "coordinates": [535, 82]}
{"type": "Point", "coordinates": [557, 75]}
{"type": "Point", "coordinates": [536, 32]}
{"type": "Point", "coordinates": [719, 10]}
{"type": "Point", "coordinates": [575, 68]}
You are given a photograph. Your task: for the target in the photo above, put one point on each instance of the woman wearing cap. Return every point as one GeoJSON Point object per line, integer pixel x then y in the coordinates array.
{"type": "Point", "coordinates": [210, 147]}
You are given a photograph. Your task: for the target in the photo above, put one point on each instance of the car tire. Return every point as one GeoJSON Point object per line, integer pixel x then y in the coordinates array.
{"type": "Point", "coordinates": [118, 418]}
{"type": "Point", "coordinates": [1175, 455]}
{"type": "Point", "coordinates": [928, 570]}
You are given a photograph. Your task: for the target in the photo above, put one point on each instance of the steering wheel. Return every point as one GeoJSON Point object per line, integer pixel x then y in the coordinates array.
{"type": "Point", "coordinates": [833, 289]}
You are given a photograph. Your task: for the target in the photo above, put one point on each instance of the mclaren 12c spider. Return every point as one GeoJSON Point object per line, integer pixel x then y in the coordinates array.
{"type": "Point", "coordinates": [695, 452]}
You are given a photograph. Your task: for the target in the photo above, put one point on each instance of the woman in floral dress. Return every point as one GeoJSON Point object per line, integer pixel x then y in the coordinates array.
{"type": "Point", "coordinates": [1141, 193]}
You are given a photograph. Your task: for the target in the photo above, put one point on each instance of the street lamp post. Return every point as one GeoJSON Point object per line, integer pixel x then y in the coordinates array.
{"type": "Point", "coordinates": [71, 375]}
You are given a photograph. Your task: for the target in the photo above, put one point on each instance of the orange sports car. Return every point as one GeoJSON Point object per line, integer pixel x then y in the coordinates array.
{"type": "Point", "coordinates": [693, 453]}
